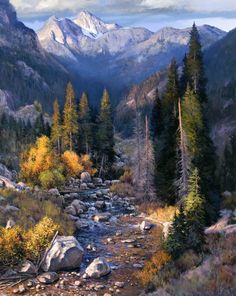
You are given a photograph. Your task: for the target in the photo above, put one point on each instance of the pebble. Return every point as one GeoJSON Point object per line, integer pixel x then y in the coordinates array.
{"type": "Point", "coordinates": [119, 284]}
{"type": "Point", "coordinates": [78, 283]}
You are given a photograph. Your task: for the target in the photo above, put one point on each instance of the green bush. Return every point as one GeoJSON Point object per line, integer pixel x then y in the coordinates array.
{"type": "Point", "coordinates": [51, 178]}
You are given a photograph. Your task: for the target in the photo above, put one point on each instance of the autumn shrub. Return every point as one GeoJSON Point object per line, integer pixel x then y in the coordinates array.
{"type": "Point", "coordinates": [127, 176]}
{"type": "Point", "coordinates": [153, 266]}
{"type": "Point", "coordinates": [188, 260]}
{"type": "Point", "coordinates": [51, 178]}
{"type": "Point", "coordinates": [37, 159]}
{"type": "Point", "coordinates": [162, 214]}
{"type": "Point", "coordinates": [38, 238]}
{"type": "Point", "coordinates": [87, 164]}
{"type": "Point", "coordinates": [72, 164]}
{"type": "Point", "coordinates": [123, 189]}
{"type": "Point", "coordinates": [11, 245]}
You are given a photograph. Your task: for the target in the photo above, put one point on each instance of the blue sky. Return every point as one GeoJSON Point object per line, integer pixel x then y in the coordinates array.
{"type": "Point", "coordinates": [152, 14]}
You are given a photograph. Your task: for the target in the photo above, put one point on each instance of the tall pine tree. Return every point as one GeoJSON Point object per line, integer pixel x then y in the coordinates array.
{"type": "Point", "coordinates": [85, 127]}
{"type": "Point", "coordinates": [193, 71]}
{"type": "Point", "coordinates": [105, 136]}
{"type": "Point", "coordinates": [56, 131]}
{"type": "Point", "coordinates": [70, 119]}
{"type": "Point", "coordinates": [165, 149]}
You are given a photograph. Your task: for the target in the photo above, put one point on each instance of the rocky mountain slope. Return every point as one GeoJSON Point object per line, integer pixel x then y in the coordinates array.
{"type": "Point", "coordinates": [114, 56]}
{"type": "Point", "coordinates": [221, 73]}
{"type": "Point", "coordinates": [27, 71]}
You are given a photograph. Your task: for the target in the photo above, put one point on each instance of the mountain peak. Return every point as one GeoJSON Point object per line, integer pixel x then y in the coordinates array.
{"type": "Point", "coordinates": [93, 24]}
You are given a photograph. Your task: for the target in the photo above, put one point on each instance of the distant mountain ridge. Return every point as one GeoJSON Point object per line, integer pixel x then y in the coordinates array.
{"type": "Point", "coordinates": [113, 56]}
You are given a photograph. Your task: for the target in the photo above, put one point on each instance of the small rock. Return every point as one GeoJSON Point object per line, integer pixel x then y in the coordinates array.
{"type": "Point", "coordinates": [10, 224]}
{"type": "Point", "coordinates": [98, 268]}
{"type": "Point", "coordinates": [28, 267]}
{"type": "Point", "coordinates": [101, 205]}
{"type": "Point", "coordinates": [78, 283]}
{"type": "Point", "coordinates": [54, 191]}
{"type": "Point", "coordinates": [83, 186]}
{"type": "Point", "coordinates": [120, 284]}
{"type": "Point", "coordinates": [145, 225]}
{"type": "Point", "coordinates": [48, 278]}
{"type": "Point", "coordinates": [102, 217]}
{"type": "Point", "coordinates": [97, 181]}
{"type": "Point", "coordinates": [128, 241]}
{"type": "Point", "coordinates": [21, 289]}
{"type": "Point", "coordinates": [70, 210]}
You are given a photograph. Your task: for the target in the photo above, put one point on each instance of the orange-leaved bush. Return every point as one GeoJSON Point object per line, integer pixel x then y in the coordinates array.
{"type": "Point", "coordinates": [152, 267]}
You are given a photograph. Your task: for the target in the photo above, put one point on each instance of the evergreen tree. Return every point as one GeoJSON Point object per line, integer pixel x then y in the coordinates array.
{"type": "Point", "coordinates": [157, 124]}
{"type": "Point", "coordinates": [166, 160]}
{"type": "Point", "coordinates": [194, 209]}
{"type": "Point", "coordinates": [200, 147]}
{"type": "Point", "coordinates": [85, 125]}
{"type": "Point", "coordinates": [56, 131]}
{"type": "Point", "coordinates": [193, 71]}
{"type": "Point", "coordinates": [175, 244]}
{"type": "Point", "coordinates": [70, 119]}
{"type": "Point", "coordinates": [105, 136]}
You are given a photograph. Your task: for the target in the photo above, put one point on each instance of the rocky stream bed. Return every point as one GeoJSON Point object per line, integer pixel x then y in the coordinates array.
{"type": "Point", "coordinates": [108, 228]}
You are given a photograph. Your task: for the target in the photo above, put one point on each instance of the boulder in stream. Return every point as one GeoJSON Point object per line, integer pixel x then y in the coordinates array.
{"type": "Point", "coordinates": [66, 253]}
{"type": "Point", "coordinates": [98, 268]}
{"type": "Point", "coordinates": [85, 177]}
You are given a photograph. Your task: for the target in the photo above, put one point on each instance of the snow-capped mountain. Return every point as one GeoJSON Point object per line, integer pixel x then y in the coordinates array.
{"type": "Point", "coordinates": [92, 25]}
{"type": "Point", "coordinates": [91, 38]}
{"type": "Point", "coordinates": [115, 56]}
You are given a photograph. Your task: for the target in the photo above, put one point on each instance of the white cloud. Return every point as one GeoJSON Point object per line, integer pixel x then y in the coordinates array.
{"type": "Point", "coordinates": [192, 5]}
{"type": "Point", "coordinates": [41, 6]}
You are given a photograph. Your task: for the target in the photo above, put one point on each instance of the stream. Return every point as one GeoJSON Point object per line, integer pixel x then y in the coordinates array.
{"type": "Point", "coordinates": [120, 241]}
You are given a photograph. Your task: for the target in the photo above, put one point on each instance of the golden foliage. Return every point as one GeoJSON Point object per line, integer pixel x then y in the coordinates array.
{"type": "Point", "coordinates": [87, 164]}
{"type": "Point", "coordinates": [11, 245]}
{"type": "Point", "coordinates": [39, 158]}
{"type": "Point", "coordinates": [72, 163]}
{"type": "Point", "coordinates": [165, 214]}
{"type": "Point", "coordinates": [152, 267]}
{"type": "Point", "coordinates": [75, 164]}
{"type": "Point", "coordinates": [39, 238]}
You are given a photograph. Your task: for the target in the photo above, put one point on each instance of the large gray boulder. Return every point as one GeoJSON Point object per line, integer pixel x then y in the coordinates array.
{"type": "Point", "coordinates": [85, 177]}
{"type": "Point", "coordinates": [65, 254]}
{"type": "Point", "coordinates": [98, 268]}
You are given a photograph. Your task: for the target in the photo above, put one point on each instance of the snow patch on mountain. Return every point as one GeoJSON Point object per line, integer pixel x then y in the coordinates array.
{"type": "Point", "coordinates": [93, 25]}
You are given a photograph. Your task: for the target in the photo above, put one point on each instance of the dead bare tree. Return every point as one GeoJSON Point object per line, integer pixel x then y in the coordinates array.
{"type": "Point", "coordinates": [184, 163]}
